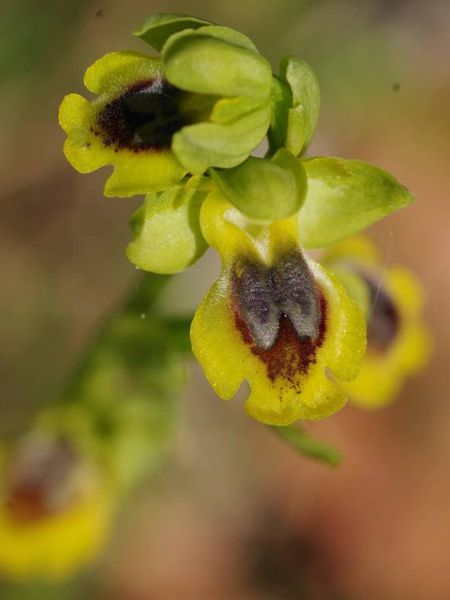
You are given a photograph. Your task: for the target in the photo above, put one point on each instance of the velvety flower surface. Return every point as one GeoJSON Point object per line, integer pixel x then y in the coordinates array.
{"type": "Point", "coordinates": [398, 342]}
{"type": "Point", "coordinates": [55, 513]}
{"type": "Point", "coordinates": [274, 318]}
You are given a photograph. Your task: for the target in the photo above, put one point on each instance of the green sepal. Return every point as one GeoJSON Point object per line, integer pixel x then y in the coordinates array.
{"type": "Point", "coordinates": [345, 196]}
{"type": "Point", "coordinates": [203, 63]}
{"type": "Point", "coordinates": [281, 100]}
{"type": "Point", "coordinates": [265, 189]}
{"type": "Point", "coordinates": [157, 29]}
{"type": "Point", "coordinates": [228, 35]}
{"type": "Point", "coordinates": [224, 145]}
{"type": "Point", "coordinates": [303, 114]}
{"type": "Point", "coordinates": [166, 230]}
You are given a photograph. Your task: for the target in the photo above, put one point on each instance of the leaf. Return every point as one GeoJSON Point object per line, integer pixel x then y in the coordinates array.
{"type": "Point", "coordinates": [345, 196]}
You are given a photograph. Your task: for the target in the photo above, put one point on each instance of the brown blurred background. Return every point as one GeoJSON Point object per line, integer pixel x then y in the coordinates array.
{"type": "Point", "coordinates": [237, 515]}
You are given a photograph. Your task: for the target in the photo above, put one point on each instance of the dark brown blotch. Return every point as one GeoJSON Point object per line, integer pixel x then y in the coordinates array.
{"type": "Point", "coordinates": [145, 117]}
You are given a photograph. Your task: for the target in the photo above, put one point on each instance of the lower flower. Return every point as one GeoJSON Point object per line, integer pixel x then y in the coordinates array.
{"type": "Point", "coordinates": [275, 319]}
{"type": "Point", "coordinates": [398, 343]}
{"type": "Point", "coordinates": [55, 514]}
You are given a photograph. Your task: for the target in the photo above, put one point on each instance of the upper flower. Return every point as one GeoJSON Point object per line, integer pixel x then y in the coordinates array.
{"type": "Point", "coordinates": [398, 343]}
{"type": "Point", "coordinates": [275, 319]}
{"type": "Point", "coordinates": [204, 102]}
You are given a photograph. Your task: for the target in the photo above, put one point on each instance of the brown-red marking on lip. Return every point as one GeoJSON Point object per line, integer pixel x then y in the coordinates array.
{"type": "Point", "coordinates": [290, 356]}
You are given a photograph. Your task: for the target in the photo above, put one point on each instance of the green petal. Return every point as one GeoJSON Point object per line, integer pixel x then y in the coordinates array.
{"type": "Point", "coordinates": [281, 98]}
{"type": "Point", "coordinates": [160, 26]}
{"type": "Point", "coordinates": [229, 110]}
{"type": "Point", "coordinates": [223, 145]}
{"type": "Point", "coordinates": [166, 229]}
{"type": "Point", "coordinates": [197, 62]}
{"type": "Point", "coordinates": [304, 113]}
{"type": "Point", "coordinates": [263, 189]}
{"type": "Point", "coordinates": [345, 196]}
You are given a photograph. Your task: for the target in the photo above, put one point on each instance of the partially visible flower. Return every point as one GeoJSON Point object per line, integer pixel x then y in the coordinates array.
{"type": "Point", "coordinates": [398, 343]}
{"type": "Point", "coordinates": [56, 510]}
{"type": "Point", "coordinates": [274, 318]}
{"type": "Point", "coordinates": [205, 102]}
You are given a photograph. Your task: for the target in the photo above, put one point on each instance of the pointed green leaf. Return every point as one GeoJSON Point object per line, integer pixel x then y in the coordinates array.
{"type": "Point", "coordinates": [166, 229]}
{"type": "Point", "coordinates": [345, 196]}
{"type": "Point", "coordinates": [225, 145]}
{"type": "Point", "coordinates": [201, 63]}
{"type": "Point", "coordinates": [157, 29]}
{"type": "Point", "coordinates": [304, 112]}
{"type": "Point", "coordinates": [265, 189]}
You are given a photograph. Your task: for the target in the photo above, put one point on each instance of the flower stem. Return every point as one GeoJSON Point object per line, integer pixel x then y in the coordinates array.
{"type": "Point", "coordinates": [308, 446]}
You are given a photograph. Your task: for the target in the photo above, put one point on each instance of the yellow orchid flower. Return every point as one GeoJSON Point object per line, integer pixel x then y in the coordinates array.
{"type": "Point", "coordinates": [274, 318]}
{"type": "Point", "coordinates": [56, 511]}
{"type": "Point", "coordinates": [115, 127]}
{"type": "Point", "coordinates": [398, 343]}
{"type": "Point", "coordinates": [205, 101]}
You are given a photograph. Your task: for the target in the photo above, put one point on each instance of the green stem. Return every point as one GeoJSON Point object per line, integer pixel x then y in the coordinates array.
{"type": "Point", "coordinates": [308, 446]}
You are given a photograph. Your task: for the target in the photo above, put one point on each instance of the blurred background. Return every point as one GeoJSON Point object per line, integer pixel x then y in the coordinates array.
{"type": "Point", "coordinates": [236, 514]}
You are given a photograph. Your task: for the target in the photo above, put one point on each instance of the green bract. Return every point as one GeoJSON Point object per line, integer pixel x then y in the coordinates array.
{"type": "Point", "coordinates": [345, 196]}
{"type": "Point", "coordinates": [166, 229]}
{"type": "Point", "coordinates": [263, 189]}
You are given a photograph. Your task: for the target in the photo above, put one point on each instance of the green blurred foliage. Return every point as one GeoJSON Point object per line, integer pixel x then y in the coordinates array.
{"type": "Point", "coordinates": [31, 34]}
